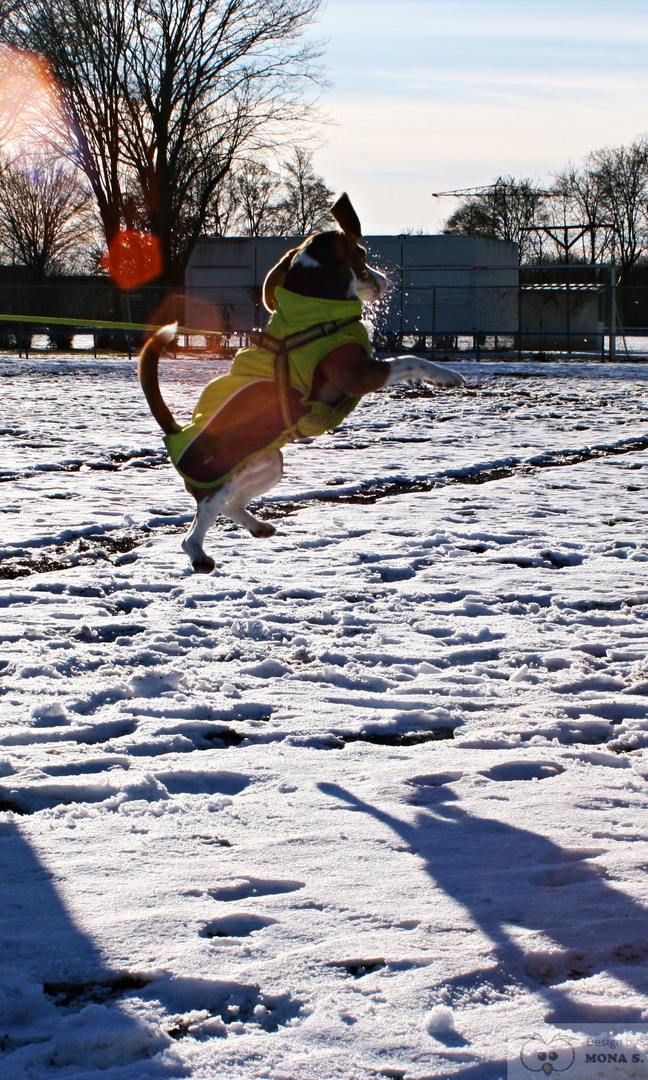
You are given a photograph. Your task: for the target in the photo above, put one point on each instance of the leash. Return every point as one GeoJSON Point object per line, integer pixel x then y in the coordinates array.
{"type": "Point", "coordinates": [282, 349]}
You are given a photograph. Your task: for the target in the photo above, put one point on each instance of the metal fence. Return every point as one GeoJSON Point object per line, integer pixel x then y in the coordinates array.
{"type": "Point", "coordinates": [543, 313]}
{"type": "Point", "coordinates": [54, 314]}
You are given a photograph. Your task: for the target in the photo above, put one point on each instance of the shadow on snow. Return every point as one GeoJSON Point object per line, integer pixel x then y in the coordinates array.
{"type": "Point", "coordinates": [507, 878]}
{"type": "Point", "coordinates": [59, 999]}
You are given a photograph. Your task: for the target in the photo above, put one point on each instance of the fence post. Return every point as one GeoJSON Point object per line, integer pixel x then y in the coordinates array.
{"type": "Point", "coordinates": [519, 336]}
{"type": "Point", "coordinates": [434, 289]}
{"type": "Point", "coordinates": [402, 257]}
{"type": "Point", "coordinates": [613, 313]}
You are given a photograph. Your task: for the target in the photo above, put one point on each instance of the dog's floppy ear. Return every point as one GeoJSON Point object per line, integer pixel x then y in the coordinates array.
{"type": "Point", "coordinates": [276, 277]}
{"type": "Point", "coordinates": [346, 217]}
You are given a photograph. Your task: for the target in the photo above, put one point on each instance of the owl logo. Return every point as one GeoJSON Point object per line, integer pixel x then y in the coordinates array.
{"type": "Point", "coordinates": [556, 1056]}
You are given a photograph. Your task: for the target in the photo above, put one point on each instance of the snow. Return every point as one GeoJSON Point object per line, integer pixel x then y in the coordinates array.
{"type": "Point", "coordinates": [370, 799]}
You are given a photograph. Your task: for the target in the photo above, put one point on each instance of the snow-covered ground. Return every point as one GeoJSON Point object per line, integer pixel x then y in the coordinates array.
{"type": "Point", "coordinates": [369, 800]}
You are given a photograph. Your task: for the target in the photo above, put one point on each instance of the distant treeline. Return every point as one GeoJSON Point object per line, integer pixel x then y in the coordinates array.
{"type": "Point", "coordinates": [595, 212]}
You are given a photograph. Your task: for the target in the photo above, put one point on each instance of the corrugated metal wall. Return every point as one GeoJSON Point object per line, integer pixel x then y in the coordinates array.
{"type": "Point", "coordinates": [440, 284]}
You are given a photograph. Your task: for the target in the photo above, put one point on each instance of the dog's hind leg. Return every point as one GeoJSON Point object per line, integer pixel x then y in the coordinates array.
{"type": "Point", "coordinates": [262, 474]}
{"type": "Point", "coordinates": [207, 511]}
{"type": "Point", "coordinates": [259, 475]}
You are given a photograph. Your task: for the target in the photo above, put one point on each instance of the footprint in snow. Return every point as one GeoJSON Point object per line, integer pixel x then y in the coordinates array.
{"type": "Point", "coordinates": [435, 779]}
{"type": "Point", "coordinates": [193, 782]}
{"type": "Point", "coordinates": [85, 736]}
{"type": "Point", "coordinates": [358, 968]}
{"type": "Point", "coordinates": [428, 787]}
{"type": "Point", "coordinates": [239, 924]}
{"type": "Point", "coordinates": [523, 770]}
{"type": "Point", "coordinates": [244, 888]}
{"type": "Point", "coordinates": [572, 855]}
{"type": "Point", "coordinates": [576, 873]}
{"type": "Point", "coordinates": [87, 766]}
{"type": "Point", "coordinates": [568, 866]}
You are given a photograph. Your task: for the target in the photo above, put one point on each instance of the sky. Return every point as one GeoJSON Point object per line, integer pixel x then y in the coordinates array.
{"type": "Point", "coordinates": [435, 95]}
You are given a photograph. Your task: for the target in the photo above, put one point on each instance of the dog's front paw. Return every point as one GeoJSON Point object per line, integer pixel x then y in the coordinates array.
{"type": "Point", "coordinates": [415, 369]}
{"type": "Point", "coordinates": [441, 376]}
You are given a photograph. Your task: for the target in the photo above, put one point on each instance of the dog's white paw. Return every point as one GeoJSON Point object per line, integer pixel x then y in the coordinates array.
{"type": "Point", "coordinates": [201, 563]}
{"type": "Point", "coordinates": [414, 369]}
{"type": "Point", "coordinates": [445, 377]}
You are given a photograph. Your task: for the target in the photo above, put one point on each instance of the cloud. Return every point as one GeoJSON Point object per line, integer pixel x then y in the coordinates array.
{"type": "Point", "coordinates": [447, 39]}
{"type": "Point", "coordinates": [582, 21]}
{"type": "Point", "coordinates": [398, 158]}
{"type": "Point", "coordinates": [435, 94]}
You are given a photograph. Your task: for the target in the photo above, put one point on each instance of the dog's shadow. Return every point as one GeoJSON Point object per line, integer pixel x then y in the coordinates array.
{"type": "Point", "coordinates": [507, 877]}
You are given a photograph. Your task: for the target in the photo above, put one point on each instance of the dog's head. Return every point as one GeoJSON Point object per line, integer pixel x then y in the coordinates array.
{"type": "Point", "coordinates": [328, 265]}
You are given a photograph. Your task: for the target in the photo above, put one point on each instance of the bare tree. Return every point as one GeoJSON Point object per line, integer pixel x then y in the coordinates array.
{"type": "Point", "coordinates": [620, 177]}
{"type": "Point", "coordinates": [578, 200]}
{"type": "Point", "coordinates": [606, 197]}
{"type": "Point", "coordinates": [47, 216]}
{"type": "Point", "coordinates": [256, 200]}
{"type": "Point", "coordinates": [223, 208]}
{"type": "Point", "coordinates": [24, 88]}
{"type": "Point", "coordinates": [161, 96]}
{"type": "Point", "coordinates": [305, 207]}
{"type": "Point", "coordinates": [257, 189]}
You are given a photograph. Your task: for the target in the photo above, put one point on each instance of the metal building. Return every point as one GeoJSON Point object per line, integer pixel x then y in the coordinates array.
{"type": "Point", "coordinates": [440, 284]}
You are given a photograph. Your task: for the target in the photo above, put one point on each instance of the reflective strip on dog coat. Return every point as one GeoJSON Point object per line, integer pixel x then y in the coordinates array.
{"type": "Point", "coordinates": [239, 415]}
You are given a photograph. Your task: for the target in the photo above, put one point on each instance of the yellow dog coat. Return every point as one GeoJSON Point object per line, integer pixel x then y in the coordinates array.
{"type": "Point", "coordinates": [264, 402]}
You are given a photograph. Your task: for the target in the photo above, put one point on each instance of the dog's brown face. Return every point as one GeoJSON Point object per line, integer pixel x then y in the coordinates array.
{"type": "Point", "coordinates": [328, 265]}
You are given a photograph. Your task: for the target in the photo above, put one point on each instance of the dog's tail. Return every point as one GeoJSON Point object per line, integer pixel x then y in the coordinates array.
{"type": "Point", "coordinates": [147, 370]}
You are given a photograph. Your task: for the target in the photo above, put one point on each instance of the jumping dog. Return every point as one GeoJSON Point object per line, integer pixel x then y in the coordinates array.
{"type": "Point", "coordinates": [300, 378]}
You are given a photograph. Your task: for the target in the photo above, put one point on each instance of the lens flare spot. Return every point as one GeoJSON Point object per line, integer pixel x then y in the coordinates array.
{"type": "Point", "coordinates": [28, 97]}
{"type": "Point", "coordinates": [133, 258]}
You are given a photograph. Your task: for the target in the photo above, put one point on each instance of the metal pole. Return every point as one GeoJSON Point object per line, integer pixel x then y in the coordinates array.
{"type": "Point", "coordinates": [434, 288]}
{"type": "Point", "coordinates": [613, 313]}
{"type": "Point", "coordinates": [257, 306]}
{"type": "Point", "coordinates": [567, 295]}
{"type": "Point", "coordinates": [602, 294]}
{"type": "Point", "coordinates": [519, 320]}
{"type": "Point", "coordinates": [401, 294]}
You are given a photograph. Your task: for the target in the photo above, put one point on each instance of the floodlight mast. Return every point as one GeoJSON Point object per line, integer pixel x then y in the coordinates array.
{"type": "Point", "coordinates": [460, 193]}
{"type": "Point", "coordinates": [550, 230]}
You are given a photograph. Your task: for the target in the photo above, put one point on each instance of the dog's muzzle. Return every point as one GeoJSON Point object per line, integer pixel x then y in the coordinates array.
{"type": "Point", "coordinates": [370, 284]}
